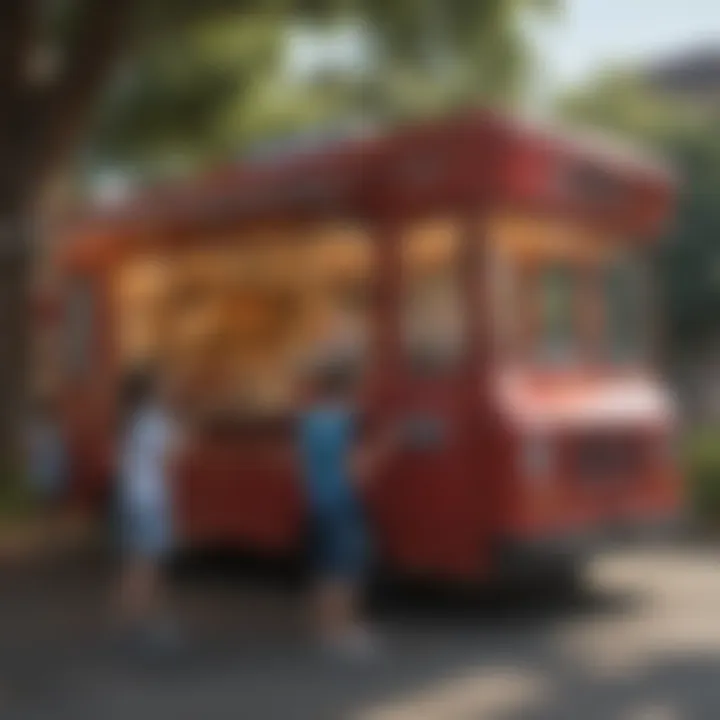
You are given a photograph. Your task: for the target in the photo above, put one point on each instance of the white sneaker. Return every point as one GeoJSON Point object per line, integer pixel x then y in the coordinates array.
{"type": "Point", "coordinates": [357, 644]}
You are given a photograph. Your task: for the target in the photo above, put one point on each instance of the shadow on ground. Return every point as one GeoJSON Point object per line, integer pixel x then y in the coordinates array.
{"type": "Point", "coordinates": [495, 653]}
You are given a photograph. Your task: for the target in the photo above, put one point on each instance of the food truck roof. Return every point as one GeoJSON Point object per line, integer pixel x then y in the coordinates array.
{"type": "Point", "coordinates": [474, 160]}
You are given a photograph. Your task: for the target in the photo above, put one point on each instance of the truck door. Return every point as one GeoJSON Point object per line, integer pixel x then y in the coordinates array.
{"type": "Point", "coordinates": [430, 505]}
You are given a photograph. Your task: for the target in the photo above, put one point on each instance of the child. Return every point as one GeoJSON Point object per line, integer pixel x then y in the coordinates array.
{"type": "Point", "coordinates": [144, 496]}
{"type": "Point", "coordinates": [335, 467]}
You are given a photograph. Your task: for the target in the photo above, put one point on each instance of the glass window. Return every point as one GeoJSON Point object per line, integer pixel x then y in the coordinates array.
{"type": "Point", "coordinates": [432, 316]}
{"type": "Point", "coordinates": [625, 298]}
{"type": "Point", "coordinates": [506, 300]}
{"type": "Point", "coordinates": [80, 312]}
{"type": "Point", "coordinates": [557, 331]}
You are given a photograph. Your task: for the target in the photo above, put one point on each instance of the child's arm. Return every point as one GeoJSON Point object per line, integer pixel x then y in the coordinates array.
{"type": "Point", "coordinates": [178, 444]}
{"type": "Point", "coordinates": [371, 455]}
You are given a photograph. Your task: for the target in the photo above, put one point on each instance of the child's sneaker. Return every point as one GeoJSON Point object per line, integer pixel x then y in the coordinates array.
{"type": "Point", "coordinates": [357, 644]}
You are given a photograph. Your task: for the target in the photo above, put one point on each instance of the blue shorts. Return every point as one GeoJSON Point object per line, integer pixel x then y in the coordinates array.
{"type": "Point", "coordinates": [145, 532]}
{"type": "Point", "coordinates": [340, 545]}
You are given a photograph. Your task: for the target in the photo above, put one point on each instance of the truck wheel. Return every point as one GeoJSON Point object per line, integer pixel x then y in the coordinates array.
{"type": "Point", "coordinates": [568, 581]}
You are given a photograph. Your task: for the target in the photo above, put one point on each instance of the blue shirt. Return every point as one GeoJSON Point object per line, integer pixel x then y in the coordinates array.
{"type": "Point", "coordinates": [327, 435]}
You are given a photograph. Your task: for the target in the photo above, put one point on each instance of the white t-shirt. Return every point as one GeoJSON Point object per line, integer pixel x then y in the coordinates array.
{"type": "Point", "coordinates": [144, 459]}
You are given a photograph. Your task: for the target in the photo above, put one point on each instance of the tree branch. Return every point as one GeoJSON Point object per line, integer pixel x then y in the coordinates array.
{"type": "Point", "coordinates": [18, 28]}
{"type": "Point", "coordinates": [101, 32]}
{"type": "Point", "coordinates": [17, 33]}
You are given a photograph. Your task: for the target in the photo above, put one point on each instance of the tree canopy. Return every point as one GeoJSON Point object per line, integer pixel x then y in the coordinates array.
{"type": "Point", "coordinates": [206, 87]}
{"type": "Point", "coordinates": [687, 135]}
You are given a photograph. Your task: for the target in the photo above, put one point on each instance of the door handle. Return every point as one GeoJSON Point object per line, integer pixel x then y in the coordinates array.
{"type": "Point", "coordinates": [423, 432]}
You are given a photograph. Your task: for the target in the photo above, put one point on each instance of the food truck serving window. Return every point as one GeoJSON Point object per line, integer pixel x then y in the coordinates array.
{"type": "Point", "coordinates": [237, 321]}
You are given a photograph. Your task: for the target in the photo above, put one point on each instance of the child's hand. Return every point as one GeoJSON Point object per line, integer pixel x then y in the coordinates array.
{"type": "Point", "coordinates": [374, 454]}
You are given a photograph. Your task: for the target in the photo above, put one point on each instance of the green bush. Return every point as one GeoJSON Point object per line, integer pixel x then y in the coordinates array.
{"type": "Point", "coordinates": [702, 473]}
{"type": "Point", "coordinates": [17, 500]}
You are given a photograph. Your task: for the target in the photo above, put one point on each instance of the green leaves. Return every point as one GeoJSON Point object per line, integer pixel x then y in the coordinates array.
{"type": "Point", "coordinates": [177, 89]}
{"type": "Point", "coordinates": [208, 78]}
{"type": "Point", "coordinates": [689, 137]}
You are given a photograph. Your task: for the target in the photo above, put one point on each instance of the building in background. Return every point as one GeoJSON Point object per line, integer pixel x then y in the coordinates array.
{"type": "Point", "coordinates": [692, 76]}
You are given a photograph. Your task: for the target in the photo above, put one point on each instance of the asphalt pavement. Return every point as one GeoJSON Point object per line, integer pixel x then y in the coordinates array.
{"type": "Point", "coordinates": [641, 642]}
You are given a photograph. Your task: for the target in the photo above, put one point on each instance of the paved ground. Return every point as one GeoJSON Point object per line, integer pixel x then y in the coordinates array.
{"type": "Point", "coordinates": [643, 644]}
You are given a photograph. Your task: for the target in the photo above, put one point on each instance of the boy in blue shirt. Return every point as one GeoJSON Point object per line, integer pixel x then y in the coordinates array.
{"type": "Point", "coordinates": [336, 467]}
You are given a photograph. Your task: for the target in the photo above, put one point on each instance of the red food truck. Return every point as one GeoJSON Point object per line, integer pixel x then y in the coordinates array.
{"type": "Point", "coordinates": [491, 280]}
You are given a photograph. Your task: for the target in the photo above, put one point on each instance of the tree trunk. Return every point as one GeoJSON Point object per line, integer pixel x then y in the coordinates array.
{"type": "Point", "coordinates": [41, 123]}
{"type": "Point", "coordinates": [16, 318]}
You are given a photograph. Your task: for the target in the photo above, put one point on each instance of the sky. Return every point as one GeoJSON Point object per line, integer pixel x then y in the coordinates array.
{"type": "Point", "coordinates": [591, 34]}
{"type": "Point", "coordinates": [586, 36]}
